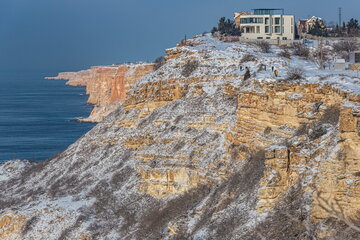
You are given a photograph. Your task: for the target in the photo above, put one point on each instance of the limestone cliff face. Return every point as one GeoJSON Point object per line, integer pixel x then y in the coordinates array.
{"type": "Point", "coordinates": [202, 154]}
{"type": "Point", "coordinates": [106, 85]}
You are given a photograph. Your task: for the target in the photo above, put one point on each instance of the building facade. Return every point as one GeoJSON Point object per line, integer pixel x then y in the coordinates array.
{"type": "Point", "coordinates": [355, 60]}
{"type": "Point", "coordinates": [266, 24]}
{"type": "Point", "coordinates": [305, 25]}
{"type": "Point", "coordinates": [302, 28]}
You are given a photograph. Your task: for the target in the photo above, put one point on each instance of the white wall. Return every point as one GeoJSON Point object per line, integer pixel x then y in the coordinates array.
{"type": "Point", "coordinates": [287, 32]}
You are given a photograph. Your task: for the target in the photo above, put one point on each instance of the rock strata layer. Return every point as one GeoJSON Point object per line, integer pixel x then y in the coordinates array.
{"type": "Point", "coordinates": [105, 85]}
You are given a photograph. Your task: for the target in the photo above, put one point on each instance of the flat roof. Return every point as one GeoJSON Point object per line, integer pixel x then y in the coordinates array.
{"type": "Point", "coordinates": [267, 9]}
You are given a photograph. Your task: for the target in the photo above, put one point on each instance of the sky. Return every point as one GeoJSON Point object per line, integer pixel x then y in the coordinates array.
{"type": "Point", "coordinates": [69, 35]}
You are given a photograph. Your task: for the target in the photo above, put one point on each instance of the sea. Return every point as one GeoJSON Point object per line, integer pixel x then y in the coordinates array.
{"type": "Point", "coordinates": [38, 116]}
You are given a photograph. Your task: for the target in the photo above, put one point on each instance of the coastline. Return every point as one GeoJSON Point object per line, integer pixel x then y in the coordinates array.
{"type": "Point", "coordinates": [106, 86]}
{"type": "Point", "coordinates": [37, 117]}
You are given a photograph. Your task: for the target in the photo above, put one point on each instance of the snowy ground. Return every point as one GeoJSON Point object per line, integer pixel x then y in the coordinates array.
{"type": "Point", "coordinates": [220, 59]}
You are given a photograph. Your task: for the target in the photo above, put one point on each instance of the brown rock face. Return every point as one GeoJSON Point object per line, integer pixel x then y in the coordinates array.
{"type": "Point", "coordinates": [106, 85]}
{"type": "Point", "coordinates": [11, 224]}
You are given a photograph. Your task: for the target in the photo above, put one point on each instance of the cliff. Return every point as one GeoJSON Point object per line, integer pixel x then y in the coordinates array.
{"type": "Point", "coordinates": [196, 152]}
{"type": "Point", "coordinates": [105, 85]}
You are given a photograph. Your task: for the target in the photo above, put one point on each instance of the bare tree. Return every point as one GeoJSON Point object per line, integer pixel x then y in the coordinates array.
{"type": "Point", "coordinates": [264, 46]}
{"type": "Point", "coordinates": [295, 73]}
{"type": "Point", "coordinates": [300, 50]}
{"type": "Point", "coordinates": [321, 55]}
{"type": "Point", "coordinates": [159, 62]}
{"type": "Point", "coordinates": [344, 48]}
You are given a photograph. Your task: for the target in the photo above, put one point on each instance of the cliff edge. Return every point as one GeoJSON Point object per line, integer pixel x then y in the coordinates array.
{"type": "Point", "coordinates": [106, 85]}
{"type": "Point", "coordinates": [196, 152]}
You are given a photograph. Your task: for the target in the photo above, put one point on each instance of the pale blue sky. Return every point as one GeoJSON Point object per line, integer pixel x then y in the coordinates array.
{"type": "Point", "coordinates": [61, 35]}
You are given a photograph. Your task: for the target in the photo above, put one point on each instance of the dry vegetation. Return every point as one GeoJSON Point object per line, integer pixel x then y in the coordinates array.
{"type": "Point", "coordinates": [344, 48]}
{"type": "Point", "coordinates": [189, 68]}
{"type": "Point", "coordinates": [159, 62]}
{"type": "Point", "coordinates": [285, 53]}
{"type": "Point", "coordinates": [248, 58]}
{"type": "Point", "coordinates": [264, 46]}
{"type": "Point", "coordinates": [295, 73]}
{"type": "Point", "coordinates": [300, 50]}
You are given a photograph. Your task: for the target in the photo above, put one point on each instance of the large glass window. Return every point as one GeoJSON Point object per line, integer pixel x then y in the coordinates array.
{"type": "Point", "coordinates": [277, 20]}
{"type": "Point", "coordinates": [357, 57]}
{"type": "Point", "coordinates": [250, 29]}
{"type": "Point", "coordinates": [251, 20]}
{"type": "Point", "coordinates": [277, 29]}
{"type": "Point", "coordinates": [267, 22]}
{"type": "Point", "coordinates": [262, 11]}
{"type": "Point", "coordinates": [267, 29]}
{"type": "Point", "coordinates": [257, 29]}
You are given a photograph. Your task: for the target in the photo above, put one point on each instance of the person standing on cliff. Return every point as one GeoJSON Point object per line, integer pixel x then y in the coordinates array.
{"type": "Point", "coordinates": [276, 72]}
{"type": "Point", "coordinates": [247, 73]}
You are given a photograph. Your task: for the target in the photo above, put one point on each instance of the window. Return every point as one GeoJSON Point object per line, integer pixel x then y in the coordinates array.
{"type": "Point", "coordinates": [267, 22]}
{"type": "Point", "coordinates": [267, 29]}
{"type": "Point", "coordinates": [251, 20]}
{"type": "Point", "coordinates": [267, 37]}
{"type": "Point", "coordinates": [260, 20]}
{"type": "Point", "coordinates": [277, 29]}
{"type": "Point", "coordinates": [357, 57]}
{"type": "Point", "coordinates": [259, 37]}
{"type": "Point", "coordinates": [250, 29]}
{"type": "Point", "coordinates": [284, 38]}
{"type": "Point", "coordinates": [262, 11]}
{"type": "Point", "coordinates": [257, 29]}
{"type": "Point", "coordinates": [277, 21]}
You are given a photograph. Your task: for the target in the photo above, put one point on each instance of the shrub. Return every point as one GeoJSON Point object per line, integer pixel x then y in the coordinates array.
{"type": "Point", "coordinates": [316, 131]}
{"type": "Point", "coordinates": [159, 62]}
{"type": "Point", "coordinates": [295, 73]}
{"type": "Point", "coordinates": [189, 68]}
{"type": "Point", "coordinates": [344, 46]}
{"type": "Point", "coordinates": [300, 50]}
{"type": "Point", "coordinates": [331, 115]}
{"type": "Point", "coordinates": [285, 53]}
{"type": "Point", "coordinates": [321, 56]}
{"type": "Point", "coordinates": [248, 58]}
{"type": "Point", "coordinates": [264, 46]}
{"type": "Point", "coordinates": [213, 30]}
{"type": "Point", "coordinates": [30, 224]}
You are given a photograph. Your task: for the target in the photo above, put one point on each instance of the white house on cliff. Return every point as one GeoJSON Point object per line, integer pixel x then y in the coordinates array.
{"type": "Point", "coordinates": [266, 24]}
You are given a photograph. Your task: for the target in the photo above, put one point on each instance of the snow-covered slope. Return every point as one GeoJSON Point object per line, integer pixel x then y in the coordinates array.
{"type": "Point", "coordinates": [202, 154]}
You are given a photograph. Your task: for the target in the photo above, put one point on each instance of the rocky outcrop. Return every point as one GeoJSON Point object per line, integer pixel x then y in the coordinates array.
{"type": "Point", "coordinates": [105, 85]}
{"type": "Point", "coordinates": [202, 154]}
{"type": "Point", "coordinates": [11, 224]}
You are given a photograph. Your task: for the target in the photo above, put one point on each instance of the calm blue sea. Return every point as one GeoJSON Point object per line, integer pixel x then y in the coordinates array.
{"type": "Point", "coordinates": [37, 116]}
